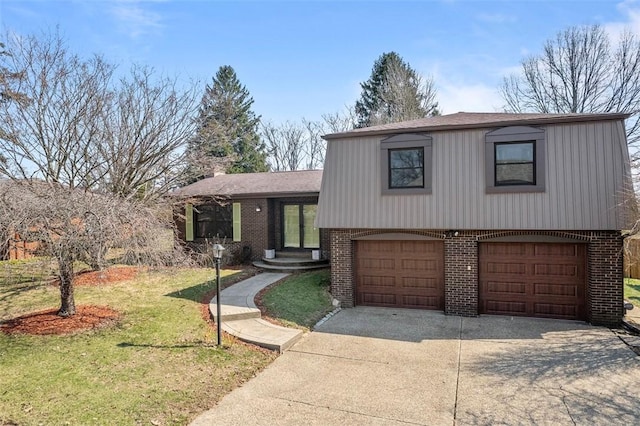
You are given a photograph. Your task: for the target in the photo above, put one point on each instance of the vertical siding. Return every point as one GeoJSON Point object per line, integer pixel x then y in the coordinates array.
{"type": "Point", "coordinates": [587, 168]}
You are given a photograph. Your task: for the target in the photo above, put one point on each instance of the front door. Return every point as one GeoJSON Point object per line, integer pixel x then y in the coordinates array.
{"type": "Point", "coordinates": [298, 228]}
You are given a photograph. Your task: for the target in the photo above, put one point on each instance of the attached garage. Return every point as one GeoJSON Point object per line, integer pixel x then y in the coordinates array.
{"type": "Point", "coordinates": [402, 274]}
{"type": "Point", "coordinates": [533, 279]}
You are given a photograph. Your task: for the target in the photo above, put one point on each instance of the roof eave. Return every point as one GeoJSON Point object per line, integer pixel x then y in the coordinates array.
{"type": "Point", "coordinates": [253, 195]}
{"type": "Point", "coordinates": [466, 126]}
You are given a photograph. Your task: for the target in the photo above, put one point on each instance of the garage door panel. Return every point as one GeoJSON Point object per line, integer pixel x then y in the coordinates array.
{"type": "Point", "coordinates": [416, 247]}
{"type": "Point", "coordinates": [506, 268]}
{"type": "Point", "coordinates": [545, 280]}
{"type": "Point", "coordinates": [422, 302]}
{"type": "Point", "coordinates": [408, 265]}
{"type": "Point", "coordinates": [504, 250]}
{"type": "Point", "coordinates": [504, 307]}
{"type": "Point", "coordinates": [400, 273]}
{"type": "Point", "coordinates": [496, 288]}
{"type": "Point", "coordinates": [564, 250]}
{"type": "Point", "coordinates": [556, 290]}
{"type": "Point", "coordinates": [378, 281]}
{"type": "Point", "coordinates": [555, 310]}
{"type": "Point", "coordinates": [419, 282]}
{"type": "Point", "coordinates": [376, 264]}
{"type": "Point", "coordinates": [373, 247]}
{"type": "Point", "coordinates": [379, 299]}
{"type": "Point", "coordinates": [557, 270]}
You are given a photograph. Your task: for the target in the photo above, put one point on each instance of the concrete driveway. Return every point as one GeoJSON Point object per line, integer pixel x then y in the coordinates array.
{"type": "Point", "coordinates": [379, 366]}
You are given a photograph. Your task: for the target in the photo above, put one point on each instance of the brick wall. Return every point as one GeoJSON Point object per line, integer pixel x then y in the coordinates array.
{"type": "Point", "coordinates": [604, 275]}
{"type": "Point", "coordinates": [605, 285]}
{"type": "Point", "coordinates": [255, 230]}
{"type": "Point", "coordinates": [342, 283]}
{"type": "Point", "coordinates": [461, 274]}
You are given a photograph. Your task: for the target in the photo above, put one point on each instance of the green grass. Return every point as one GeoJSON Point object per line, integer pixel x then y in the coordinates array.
{"type": "Point", "coordinates": [300, 300]}
{"type": "Point", "coordinates": [159, 365]}
{"type": "Point", "coordinates": [632, 291]}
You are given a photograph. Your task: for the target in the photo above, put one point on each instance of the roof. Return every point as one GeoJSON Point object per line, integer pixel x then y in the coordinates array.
{"type": "Point", "coordinates": [473, 120]}
{"type": "Point", "coordinates": [255, 184]}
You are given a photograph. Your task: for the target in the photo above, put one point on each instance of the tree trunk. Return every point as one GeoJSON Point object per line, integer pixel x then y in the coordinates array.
{"type": "Point", "coordinates": [67, 301]}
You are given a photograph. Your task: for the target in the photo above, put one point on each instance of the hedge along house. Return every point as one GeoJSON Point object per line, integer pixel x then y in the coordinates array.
{"type": "Point", "coordinates": [252, 212]}
{"type": "Point", "coordinates": [480, 213]}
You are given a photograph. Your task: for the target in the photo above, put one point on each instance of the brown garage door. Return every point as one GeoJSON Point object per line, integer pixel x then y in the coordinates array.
{"type": "Point", "coordinates": [533, 279]}
{"type": "Point", "coordinates": [403, 274]}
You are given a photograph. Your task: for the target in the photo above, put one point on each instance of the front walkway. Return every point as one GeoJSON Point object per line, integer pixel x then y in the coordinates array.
{"type": "Point", "coordinates": [242, 318]}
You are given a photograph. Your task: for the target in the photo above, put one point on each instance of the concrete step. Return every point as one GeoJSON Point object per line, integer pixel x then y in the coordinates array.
{"type": "Point", "coordinates": [231, 312]}
{"type": "Point", "coordinates": [241, 317]}
{"type": "Point", "coordinates": [294, 261]}
{"type": "Point", "coordinates": [287, 268]}
{"type": "Point", "coordinates": [263, 333]}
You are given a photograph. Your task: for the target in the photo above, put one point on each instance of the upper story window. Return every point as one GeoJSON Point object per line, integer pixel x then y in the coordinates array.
{"type": "Point", "coordinates": [515, 159]}
{"type": "Point", "coordinates": [515, 163]}
{"type": "Point", "coordinates": [406, 168]}
{"type": "Point", "coordinates": [405, 162]}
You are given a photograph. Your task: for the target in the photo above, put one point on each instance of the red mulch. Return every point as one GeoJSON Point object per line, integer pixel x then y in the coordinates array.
{"type": "Point", "coordinates": [106, 276]}
{"type": "Point", "coordinates": [87, 317]}
{"type": "Point", "coordinates": [48, 322]}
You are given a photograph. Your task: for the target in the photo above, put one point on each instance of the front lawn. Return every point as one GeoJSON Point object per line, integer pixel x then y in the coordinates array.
{"type": "Point", "coordinates": [300, 300]}
{"type": "Point", "coordinates": [632, 291]}
{"type": "Point", "coordinates": [159, 365]}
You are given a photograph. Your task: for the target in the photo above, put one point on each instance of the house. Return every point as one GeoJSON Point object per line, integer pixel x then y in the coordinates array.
{"type": "Point", "coordinates": [12, 247]}
{"type": "Point", "coordinates": [253, 212]}
{"type": "Point", "coordinates": [480, 213]}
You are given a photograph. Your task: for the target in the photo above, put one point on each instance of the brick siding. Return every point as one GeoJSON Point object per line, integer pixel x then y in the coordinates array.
{"type": "Point", "coordinates": [260, 230]}
{"type": "Point", "coordinates": [605, 278]}
{"type": "Point", "coordinates": [604, 275]}
{"type": "Point", "coordinates": [461, 275]}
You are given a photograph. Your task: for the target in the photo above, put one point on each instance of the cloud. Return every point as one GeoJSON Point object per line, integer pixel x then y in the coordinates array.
{"type": "Point", "coordinates": [630, 9]}
{"type": "Point", "coordinates": [134, 20]}
{"type": "Point", "coordinates": [477, 97]}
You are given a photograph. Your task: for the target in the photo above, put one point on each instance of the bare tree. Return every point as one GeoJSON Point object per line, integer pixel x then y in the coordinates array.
{"type": "Point", "coordinates": [314, 146]}
{"type": "Point", "coordinates": [340, 121]}
{"type": "Point", "coordinates": [404, 95]}
{"type": "Point", "coordinates": [85, 158]}
{"type": "Point", "coordinates": [68, 223]}
{"type": "Point", "coordinates": [394, 92]}
{"type": "Point", "coordinates": [148, 121]}
{"type": "Point", "coordinates": [51, 126]}
{"type": "Point", "coordinates": [285, 145]}
{"type": "Point", "coordinates": [579, 71]}
{"type": "Point", "coordinates": [296, 145]}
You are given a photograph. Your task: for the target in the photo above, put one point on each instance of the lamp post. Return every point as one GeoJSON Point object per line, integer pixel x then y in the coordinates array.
{"type": "Point", "coordinates": [217, 255]}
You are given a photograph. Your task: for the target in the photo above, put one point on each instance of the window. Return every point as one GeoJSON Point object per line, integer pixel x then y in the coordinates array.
{"type": "Point", "coordinates": [406, 168]}
{"type": "Point", "coordinates": [515, 163]}
{"type": "Point", "coordinates": [405, 162]}
{"type": "Point", "coordinates": [514, 160]}
{"type": "Point", "coordinates": [213, 221]}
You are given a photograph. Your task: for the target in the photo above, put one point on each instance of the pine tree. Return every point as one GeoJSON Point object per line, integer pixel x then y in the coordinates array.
{"type": "Point", "coordinates": [394, 92]}
{"type": "Point", "coordinates": [227, 138]}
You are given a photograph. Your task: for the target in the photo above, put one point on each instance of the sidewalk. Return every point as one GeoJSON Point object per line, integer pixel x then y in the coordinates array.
{"type": "Point", "coordinates": [242, 318]}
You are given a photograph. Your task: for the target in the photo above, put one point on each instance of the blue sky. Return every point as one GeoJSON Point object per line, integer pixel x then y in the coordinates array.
{"type": "Point", "coordinates": [302, 59]}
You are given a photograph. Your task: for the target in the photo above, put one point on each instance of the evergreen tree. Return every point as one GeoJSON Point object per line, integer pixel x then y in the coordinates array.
{"type": "Point", "coordinates": [227, 138]}
{"type": "Point", "coordinates": [394, 92]}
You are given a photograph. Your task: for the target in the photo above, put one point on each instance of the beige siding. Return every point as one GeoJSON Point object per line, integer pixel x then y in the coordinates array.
{"type": "Point", "coordinates": [587, 169]}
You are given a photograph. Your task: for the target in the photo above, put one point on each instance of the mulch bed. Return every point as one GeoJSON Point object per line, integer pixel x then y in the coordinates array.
{"type": "Point", "coordinates": [104, 277]}
{"type": "Point", "coordinates": [87, 317]}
